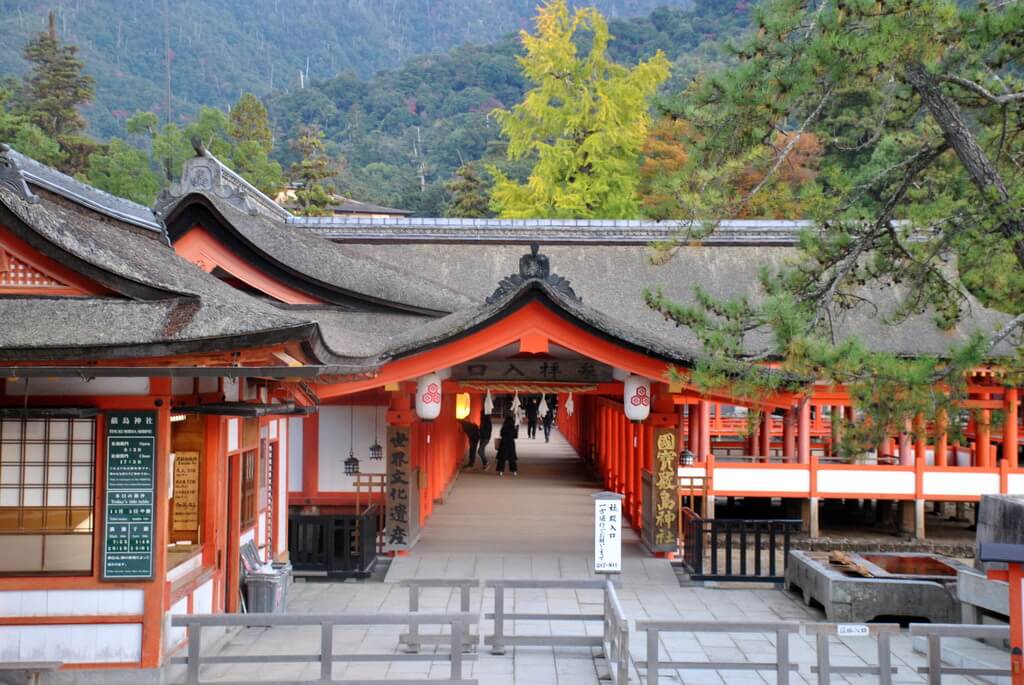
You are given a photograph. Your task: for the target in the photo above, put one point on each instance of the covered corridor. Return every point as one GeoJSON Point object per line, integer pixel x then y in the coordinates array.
{"type": "Point", "coordinates": [536, 525]}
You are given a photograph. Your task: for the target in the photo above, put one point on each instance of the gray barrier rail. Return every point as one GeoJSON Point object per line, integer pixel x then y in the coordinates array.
{"type": "Point", "coordinates": [413, 639]}
{"type": "Point", "coordinates": [459, 623]}
{"type": "Point", "coordinates": [615, 635]}
{"type": "Point", "coordinates": [882, 632]}
{"type": "Point", "coordinates": [782, 666]}
{"type": "Point", "coordinates": [934, 632]}
{"type": "Point", "coordinates": [499, 640]}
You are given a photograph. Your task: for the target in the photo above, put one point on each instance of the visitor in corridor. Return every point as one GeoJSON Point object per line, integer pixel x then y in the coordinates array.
{"type": "Point", "coordinates": [507, 446]}
{"type": "Point", "coordinates": [548, 419]}
{"type": "Point", "coordinates": [472, 432]}
{"type": "Point", "coordinates": [532, 410]}
{"type": "Point", "coordinates": [486, 429]}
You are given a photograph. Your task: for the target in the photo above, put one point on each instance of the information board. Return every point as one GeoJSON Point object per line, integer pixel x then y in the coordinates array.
{"type": "Point", "coordinates": [607, 532]}
{"type": "Point", "coordinates": [186, 491]}
{"type": "Point", "coordinates": [130, 495]}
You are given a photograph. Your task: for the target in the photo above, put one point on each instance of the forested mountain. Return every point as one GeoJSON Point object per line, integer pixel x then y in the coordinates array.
{"type": "Point", "coordinates": [221, 48]}
{"type": "Point", "coordinates": [404, 132]}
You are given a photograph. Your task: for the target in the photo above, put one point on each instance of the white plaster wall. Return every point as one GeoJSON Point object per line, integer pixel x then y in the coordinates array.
{"type": "Point", "coordinates": [1015, 484]}
{"type": "Point", "coordinates": [295, 426]}
{"type": "Point", "coordinates": [173, 635]}
{"type": "Point", "coordinates": [231, 390]}
{"type": "Point", "coordinates": [78, 386]}
{"type": "Point", "coordinates": [962, 484]}
{"type": "Point", "coordinates": [761, 480]}
{"type": "Point", "coordinates": [202, 598]}
{"type": "Point", "coordinates": [334, 444]}
{"type": "Point", "coordinates": [874, 482]}
{"type": "Point", "coordinates": [72, 644]}
{"type": "Point", "coordinates": [234, 426]}
{"type": "Point", "coordinates": [20, 603]}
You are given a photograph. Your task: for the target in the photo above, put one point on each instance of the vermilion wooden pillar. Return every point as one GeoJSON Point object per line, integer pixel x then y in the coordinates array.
{"type": "Point", "coordinates": [705, 429]}
{"type": "Point", "coordinates": [906, 455]}
{"type": "Point", "coordinates": [983, 439]}
{"type": "Point", "coordinates": [631, 465]}
{"type": "Point", "coordinates": [693, 430]}
{"type": "Point", "coordinates": [941, 438]}
{"type": "Point", "coordinates": [789, 433]}
{"type": "Point", "coordinates": [1011, 405]}
{"type": "Point", "coordinates": [803, 433]}
{"type": "Point", "coordinates": [766, 434]}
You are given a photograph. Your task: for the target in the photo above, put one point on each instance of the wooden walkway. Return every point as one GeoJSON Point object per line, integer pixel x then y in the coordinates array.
{"type": "Point", "coordinates": [536, 525]}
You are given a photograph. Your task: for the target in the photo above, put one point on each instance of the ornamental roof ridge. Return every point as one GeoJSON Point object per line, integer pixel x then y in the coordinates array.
{"type": "Point", "coordinates": [533, 267]}
{"type": "Point", "coordinates": [207, 175]}
{"type": "Point", "coordinates": [18, 171]}
{"type": "Point", "coordinates": [549, 231]}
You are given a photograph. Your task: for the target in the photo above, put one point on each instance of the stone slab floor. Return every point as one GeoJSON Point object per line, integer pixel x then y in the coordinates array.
{"type": "Point", "coordinates": [539, 525]}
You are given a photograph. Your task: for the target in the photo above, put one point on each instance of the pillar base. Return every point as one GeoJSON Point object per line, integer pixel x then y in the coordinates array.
{"type": "Point", "coordinates": [911, 518]}
{"type": "Point", "coordinates": [809, 517]}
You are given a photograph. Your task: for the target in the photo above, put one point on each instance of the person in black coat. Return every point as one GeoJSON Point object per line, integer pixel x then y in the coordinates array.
{"type": "Point", "coordinates": [507, 451]}
{"type": "Point", "coordinates": [472, 432]}
{"type": "Point", "coordinates": [532, 410]}
{"type": "Point", "coordinates": [548, 420]}
{"type": "Point", "coordinates": [486, 430]}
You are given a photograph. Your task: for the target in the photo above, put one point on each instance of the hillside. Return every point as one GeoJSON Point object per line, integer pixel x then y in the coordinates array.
{"type": "Point", "coordinates": [405, 131]}
{"type": "Point", "coordinates": [220, 48]}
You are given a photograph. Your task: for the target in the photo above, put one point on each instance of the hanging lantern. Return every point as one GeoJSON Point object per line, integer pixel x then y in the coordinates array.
{"type": "Point", "coordinates": [376, 451]}
{"type": "Point", "coordinates": [570, 406]}
{"type": "Point", "coordinates": [351, 464]}
{"type": "Point", "coordinates": [428, 397]}
{"type": "Point", "coordinates": [488, 403]}
{"type": "Point", "coordinates": [636, 398]}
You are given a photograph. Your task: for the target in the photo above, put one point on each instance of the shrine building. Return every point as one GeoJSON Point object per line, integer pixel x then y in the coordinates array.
{"type": "Point", "coordinates": [183, 382]}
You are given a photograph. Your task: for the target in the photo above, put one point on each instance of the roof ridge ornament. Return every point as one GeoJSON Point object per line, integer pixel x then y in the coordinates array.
{"type": "Point", "coordinates": [205, 175]}
{"type": "Point", "coordinates": [533, 268]}
{"type": "Point", "coordinates": [12, 178]}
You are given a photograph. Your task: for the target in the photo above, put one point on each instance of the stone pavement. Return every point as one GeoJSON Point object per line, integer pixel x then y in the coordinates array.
{"type": "Point", "coordinates": [538, 525]}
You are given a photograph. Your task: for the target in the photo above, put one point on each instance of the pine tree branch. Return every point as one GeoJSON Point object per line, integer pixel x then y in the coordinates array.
{"type": "Point", "coordinates": [982, 91]}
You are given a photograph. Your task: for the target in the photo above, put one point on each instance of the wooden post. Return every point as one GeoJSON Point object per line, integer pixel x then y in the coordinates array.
{"type": "Point", "coordinates": [984, 436]}
{"type": "Point", "coordinates": [789, 433]}
{"type": "Point", "coordinates": [906, 455]}
{"type": "Point", "coordinates": [804, 432]}
{"type": "Point", "coordinates": [921, 439]}
{"type": "Point", "coordinates": [941, 438]}
{"type": "Point", "coordinates": [705, 429]}
{"type": "Point", "coordinates": [766, 434]}
{"type": "Point", "coordinates": [1011, 405]}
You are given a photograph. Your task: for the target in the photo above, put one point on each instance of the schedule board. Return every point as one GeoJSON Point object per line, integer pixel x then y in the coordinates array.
{"type": "Point", "coordinates": [130, 505]}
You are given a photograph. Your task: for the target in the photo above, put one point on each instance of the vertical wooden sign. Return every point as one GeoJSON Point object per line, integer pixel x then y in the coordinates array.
{"type": "Point", "coordinates": [186, 491]}
{"type": "Point", "coordinates": [665, 500]}
{"type": "Point", "coordinates": [398, 531]}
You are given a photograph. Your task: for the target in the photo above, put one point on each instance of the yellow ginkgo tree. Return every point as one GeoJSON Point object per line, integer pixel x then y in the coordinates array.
{"type": "Point", "coordinates": [584, 121]}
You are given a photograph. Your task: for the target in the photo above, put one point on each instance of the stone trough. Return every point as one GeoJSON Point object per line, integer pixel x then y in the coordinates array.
{"type": "Point", "coordinates": [904, 585]}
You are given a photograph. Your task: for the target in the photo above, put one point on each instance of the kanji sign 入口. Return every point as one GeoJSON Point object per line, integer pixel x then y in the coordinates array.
{"type": "Point", "coordinates": [607, 532]}
{"type": "Point", "coordinates": [550, 370]}
{"type": "Point", "coordinates": [398, 532]}
{"type": "Point", "coordinates": [130, 495]}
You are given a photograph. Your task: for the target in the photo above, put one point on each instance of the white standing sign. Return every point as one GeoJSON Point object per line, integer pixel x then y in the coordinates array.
{"type": "Point", "coordinates": [608, 532]}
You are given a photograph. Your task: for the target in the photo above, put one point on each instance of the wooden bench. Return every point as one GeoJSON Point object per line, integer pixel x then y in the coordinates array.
{"type": "Point", "coordinates": [34, 669]}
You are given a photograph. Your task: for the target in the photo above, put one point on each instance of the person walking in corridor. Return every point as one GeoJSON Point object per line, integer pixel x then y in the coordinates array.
{"type": "Point", "coordinates": [472, 432]}
{"type": "Point", "coordinates": [532, 410]}
{"type": "Point", "coordinates": [547, 418]}
{"type": "Point", "coordinates": [507, 449]}
{"type": "Point", "coordinates": [486, 430]}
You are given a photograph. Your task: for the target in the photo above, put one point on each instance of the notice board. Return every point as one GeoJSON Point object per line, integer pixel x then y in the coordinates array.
{"type": "Point", "coordinates": [186, 491]}
{"type": "Point", "coordinates": [130, 495]}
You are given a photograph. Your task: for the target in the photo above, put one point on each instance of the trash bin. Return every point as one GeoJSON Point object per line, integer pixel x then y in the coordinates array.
{"type": "Point", "coordinates": [266, 588]}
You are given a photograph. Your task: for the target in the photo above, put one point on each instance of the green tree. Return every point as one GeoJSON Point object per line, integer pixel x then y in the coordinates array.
{"type": "Point", "coordinates": [250, 124]}
{"type": "Point", "coordinates": [585, 121]}
{"type": "Point", "coordinates": [311, 172]}
{"type": "Point", "coordinates": [916, 105]}
{"type": "Point", "coordinates": [469, 196]}
{"type": "Point", "coordinates": [17, 131]}
{"type": "Point", "coordinates": [53, 90]}
{"type": "Point", "coordinates": [123, 170]}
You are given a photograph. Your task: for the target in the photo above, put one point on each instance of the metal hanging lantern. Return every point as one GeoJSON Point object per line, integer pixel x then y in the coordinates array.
{"type": "Point", "coordinates": [351, 464]}
{"type": "Point", "coordinates": [376, 451]}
